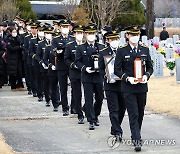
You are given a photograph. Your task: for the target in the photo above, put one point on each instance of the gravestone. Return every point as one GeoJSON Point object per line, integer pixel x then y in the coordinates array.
{"type": "Point", "coordinates": [158, 66]}
{"type": "Point", "coordinates": [156, 39]}
{"type": "Point", "coordinates": [169, 40]}
{"type": "Point", "coordinates": [152, 51]}
{"type": "Point", "coordinates": [175, 38]}
{"type": "Point", "coordinates": [122, 41]}
{"type": "Point", "coordinates": [162, 44]}
{"type": "Point", "coordinates": [169, 53]}
{"type": "Point", "coordinates": [144, 39]}
{"type": "Point", "coordinates": [122, 34]}
{"type": "Point", "coordinates": [178, 70]}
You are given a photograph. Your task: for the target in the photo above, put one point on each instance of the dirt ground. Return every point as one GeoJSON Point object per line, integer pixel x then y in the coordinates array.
{"type": "Point", "coordinates": [4, 148]}
{"type": "Point", "coordinates": [171, 31]}
{"type": "Point", "coordinates": [164, 95]}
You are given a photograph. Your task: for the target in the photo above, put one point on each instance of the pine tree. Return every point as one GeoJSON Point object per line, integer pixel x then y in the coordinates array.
{"type": "Point", "coordinates": [25, 9]}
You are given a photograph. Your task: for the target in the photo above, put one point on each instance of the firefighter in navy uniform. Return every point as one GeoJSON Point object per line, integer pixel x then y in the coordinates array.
{"type": "Point", "coordinates": [43, 68]}
{"type": "Point", "coordinates": [59, 43]}
{"type": "Point", "coordinates": [134, 92]}
{"type": "Point", "coordinates": [28, 66]}
{"type": "Point", "coordinates": [112, 87]}
{"type": "Point", "coordinates": [49, 60]}
{"type": "Point", "coordinates": [87, 61]}
{"type": "Point", "coordinates": [36, 67]}
{"type": "Point", "coordinates": [74, 72]}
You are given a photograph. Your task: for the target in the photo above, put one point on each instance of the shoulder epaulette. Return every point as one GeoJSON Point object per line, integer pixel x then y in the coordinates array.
{"type": "Point", "coordinates": [141, 44]}
{"type": "Point", "coordinates": [56, 36]}
{"type": "Point", "coordinates": [27, 35]}
{"type": "Point", "coordinates": [103, 49]}
{"type": "Point", "coordinates": [40, 41]}
{"type": "Point", "coordinates": [33, 38]}
{"type": "Point", "coordinates": [70, 42]}
{"type": "Point", "coordinates": [123, 46]}
{"type": "Point", "coordinates": [100, 43]}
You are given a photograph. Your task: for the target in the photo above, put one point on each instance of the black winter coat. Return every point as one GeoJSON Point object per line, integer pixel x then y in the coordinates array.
{"type": "Point", "coordinates": [2, 50]}
{"type": "Point", "coordinates": [14, 54]}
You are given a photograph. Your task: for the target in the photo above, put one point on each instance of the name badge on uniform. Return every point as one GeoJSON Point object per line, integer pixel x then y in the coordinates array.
{"type": "Point", "coordinates": [85, 52]}
{"type": "Point", "coordinates": [127, 56]}
{"type": "Point", "coordinates": [73, 50]}
{"type": "Point", "coordinates": [36, 44]}
{"type": "Point", "coordinates": [60, 43]}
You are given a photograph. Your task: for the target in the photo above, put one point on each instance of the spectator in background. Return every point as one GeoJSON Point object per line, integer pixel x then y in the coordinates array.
{"type": "Point", "coordinates": [164, 34]}
{"type": "Point", "coordinates": [14, 60]}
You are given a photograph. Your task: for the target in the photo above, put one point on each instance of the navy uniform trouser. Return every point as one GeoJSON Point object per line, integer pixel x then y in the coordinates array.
{"type": "Point", "coordinates": [32, 78]}
{"type": "Point", "coordinates": [93, 110]}
{"type": "Point", "coordinates": [45, 86]}
{"type": "Point", "coordinates": [63, 83]}
{"type": "Point", "coordinates": [77, 96]}
{"type": "Point", "coordinates": [54, 88]}
{"type": "Point", "coordinates": [27, 76]}
{"type": "Point", "coordinates": [135, 104]}
{"type": "Point", "coordinates": [38, 81]}
{"type": "Point", "coordinates": [116, 107]}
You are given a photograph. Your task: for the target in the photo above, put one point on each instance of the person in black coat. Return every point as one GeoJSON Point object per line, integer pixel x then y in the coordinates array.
{"type": "Point", "coordinates": [164, 34]}
{"type": "Point", "coordinates": [14, 60]}
{"type": "Point", "coordinates": [2, 53]}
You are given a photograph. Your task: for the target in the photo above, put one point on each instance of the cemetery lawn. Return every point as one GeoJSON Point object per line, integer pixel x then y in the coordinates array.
{"type": "Point", "coordinates": [4, 148]}
{"type": "Point", "coordinates": [171, 31]}
{"type": "Point", "coordinates": [164, 95]}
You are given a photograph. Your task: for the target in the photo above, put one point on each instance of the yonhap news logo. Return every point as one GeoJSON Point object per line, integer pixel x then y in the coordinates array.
{"type": "Point", "coordinates": [113, 142]}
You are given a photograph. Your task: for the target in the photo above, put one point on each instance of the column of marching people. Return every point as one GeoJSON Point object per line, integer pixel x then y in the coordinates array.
{"type": "Point", "coordinates": [49, 56]}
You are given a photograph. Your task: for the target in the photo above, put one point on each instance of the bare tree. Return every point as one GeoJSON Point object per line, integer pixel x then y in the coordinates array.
{"type": "Point", "coordinates": [104, 11]}
{"type": "Point", "coordinates": [8, 9]}
{"type": "Point", "coordinates": [150, 18]}
{"type": "Point", "coordinates": [70, 7]}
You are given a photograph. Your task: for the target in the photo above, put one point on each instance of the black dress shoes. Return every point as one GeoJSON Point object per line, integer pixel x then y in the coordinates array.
{"type": "Point", "coordinates": [48, 104]}
{"type": "Point", "coordinates": [55, 109]}
{"type": "Point", "coordinates": [29, 92]}
{"type": "Point", "coordinates": [91, 126]}
{"type": "Point", "coordinates": [34, 94]}
{"type": "Point", "coordinates": [81, 121]}
{"type": "Point", "coordinates": [40, 99]}
{"type": "Point", "coordinates": [137, 145]}
{"type": "Point", "coordinates": [65, 113]}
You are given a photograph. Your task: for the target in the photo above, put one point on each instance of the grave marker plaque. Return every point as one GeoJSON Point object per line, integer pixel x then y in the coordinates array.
{"type": "Point", "coordinates": [158, 66]}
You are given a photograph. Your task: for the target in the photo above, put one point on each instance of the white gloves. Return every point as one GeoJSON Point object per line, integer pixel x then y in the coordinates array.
{"type": "Point", "coordinates": [59, 51]}
{"type": "Point", "coordinates": [144, 79]}
{"type": "Point", "coordinates": [75, 67]}
{"type": "Point", "coordinates": [88, 69]}
{"type": "Point", "coordinates": [111, 81]}
{"type": "Point", "coordinates": [53, 68]}
{"type": "Point", "coordinates": [44, 66]}
{"type": "Point", "coordinates": [132, 80]}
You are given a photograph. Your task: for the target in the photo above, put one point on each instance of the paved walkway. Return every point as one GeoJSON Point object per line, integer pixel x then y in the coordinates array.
{"type": "Point", "coordinates": [30, 127]}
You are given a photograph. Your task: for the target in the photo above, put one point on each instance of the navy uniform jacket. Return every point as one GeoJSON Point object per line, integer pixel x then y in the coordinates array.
{"type": "Point", "coordinates": [22, 37]}
{"type": "Point", "coordinates": [107, 86]}
{"type": "Point", "coordinates": [49, 59]}
{"type": "Point", "coordinates": [124, 67]}
{"type": "Point", "coordinates": [84, 59]}
{"type": "Point", "coordinates": [60, 43]}
{"type": "Point", "coordinates": [26, 48]}
{"type": "Point", "coordinates": [40, 53]}
{"type": "Point", "coordinates": [32, 50]}
{"type": "Point", "coordinates": [69, 58]}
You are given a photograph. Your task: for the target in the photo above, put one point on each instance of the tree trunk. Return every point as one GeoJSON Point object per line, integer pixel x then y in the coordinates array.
{"type": "Point", "coordinates": [150, 19]}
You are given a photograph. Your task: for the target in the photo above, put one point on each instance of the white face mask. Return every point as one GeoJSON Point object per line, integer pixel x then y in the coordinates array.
{"type": "Point", "coordinates": [91, 38]}
{"type": "Point", "coordinates": [134, 39]}
{"type": "Point", "coordinates": [79, 37]}
{"type": "Point", "coordinates": [14, 34]}
{"type": "Point", "coordinates": [41, 34]}
{"type": "Point", "coordinates": [114, 44]}
{"type": "Point", "coordinates": [104, 32]}
{"type": "Point", "coordinates": [28, 28]}
{"type": "Point", "coordinates": [65, 30]}
{"type": "Point", "coordinates": [21, 32]}
{"type": "Point", "coordinates": [49, 36]}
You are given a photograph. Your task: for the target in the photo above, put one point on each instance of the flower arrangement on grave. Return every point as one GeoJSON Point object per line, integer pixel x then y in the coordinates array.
{"type": "Point", "coordinates": [177, 53]}
{"type": "Point", "coordinates": [170, 64]}
{"type": "Point", "coordinates": [162, 51]}
{"type": "Point", "coordinates": [156, 45]}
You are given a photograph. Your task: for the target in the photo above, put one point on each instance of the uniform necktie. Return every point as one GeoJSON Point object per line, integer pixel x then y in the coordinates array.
{"type": "Point", "coordinates": [134, 51]}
